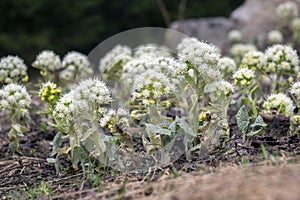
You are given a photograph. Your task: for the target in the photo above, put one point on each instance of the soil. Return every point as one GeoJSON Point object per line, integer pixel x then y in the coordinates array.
{"type": "Point", "coordinates": [266, 167]}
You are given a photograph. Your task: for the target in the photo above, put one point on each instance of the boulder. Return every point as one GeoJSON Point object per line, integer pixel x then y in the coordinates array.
{"type": "Point", "coordinates": [255, 18]}
{"type": "Point", "coordinates": [212, 30]}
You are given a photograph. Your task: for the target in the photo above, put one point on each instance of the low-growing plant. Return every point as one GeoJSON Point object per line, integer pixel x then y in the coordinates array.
{"type": "Point", "coordinates": [15, 100]}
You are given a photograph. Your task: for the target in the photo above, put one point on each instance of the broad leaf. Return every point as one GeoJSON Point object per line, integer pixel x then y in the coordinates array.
{"type": "Point", "coordinates": [242, 119]}
{"type": "Point", "coordinates": [157, 129]}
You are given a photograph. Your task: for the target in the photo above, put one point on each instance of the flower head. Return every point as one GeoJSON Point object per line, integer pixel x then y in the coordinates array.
{"type": "Point", "coordinates": [89, 95]}
{"type": "Point", "coordinates": [14, 97]}
{"type": "Point", "coordinates": [115, 120]}
{"type": "Point", "coordinates": [47, 61]}
{"type": "Point", "coordinates": [151, 50]}
{"type": "Point", "coordinates": [227, 65]}
{"type": "Point", "coordinates": [237, 51]}
{"type": "Point", "coordinates": [12, 69]}
{"type": "Point", "coordinates": [295, 90]}
{"type": "Point", "coordinates": [286, 11]}
{"type": "Point", "coordinates": [76, 65]}
{"type": "Point", "coordinates": [275, 37]}
{"type": "Point", "coordinates": [243, 77]}
{"type": "Point", "coordinates": [64, 108]}
{"type": "Point", "coordinates": [220, 88]}
{"type": "Point", "coordinates": [253, 60]}
{"type": "Point", "coordinates": [151, 86]}
{"type": "Point", "coordinates": [114, 60]}
{"type": "Point", "coordinates": [201, 57]}
{"type": "Point", "coordinates": [234, 36]}
{"type": "Point", "coordinates": [49, 92]}
{"type": "Point", "coordinates": [279, 102]}
{"type": "Point", "coordinates": [281, 58]}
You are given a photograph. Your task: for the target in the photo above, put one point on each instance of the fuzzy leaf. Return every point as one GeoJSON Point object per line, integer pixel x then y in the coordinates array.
{"type": "Point", "coordinates": [259, 122]}
{"type": "Point", "coordinates": [242, 119]}
{"type": "Point", "coordinates": [56, 142]}
{"type": "Point", "coordinates": [76, 155]}
{"type": "Point", "coordinates": [157, 129]}
{"type": "Point", "coordinates": [185, 127]}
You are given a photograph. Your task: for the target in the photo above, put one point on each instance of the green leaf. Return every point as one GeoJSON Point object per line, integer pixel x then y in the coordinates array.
{"type": "Point", "coordinates": [56, 142]}
{"type": "Point", "coordinates": [157, 129]}
{"type": "Point", "coordinates": [185, 127]}
{"type": "Point", "coordinates": [76, 155]}
{"type": "Point", "coordinates": [254, 133]}
{"type": "Point", "coordinates": [51, 160]}
{"type": "Point", "coordinates": [19, 128]}
{"type": "Point", "coordinates": [242, 119]}
{"type": "Point", "coordinates": [259, 122]}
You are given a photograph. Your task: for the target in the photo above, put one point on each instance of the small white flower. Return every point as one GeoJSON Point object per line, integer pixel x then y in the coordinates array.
{"type": "Point", "coordinates": [12, 69]}
{"type": "Point", "coordinates": [147, 82]}
{"type": "Point", "coordinates": [279, 102]}
{"type": "Point", "coordinates": [227, 65]}
{"type": "Point", "coordinates": [15, 97]}
{"type": "Point", "coordinates": [287, 11]}
{"type": "Point", "coordinates": [295, 90]}
{"type": "Point", "coordinates": [202, 56]}
{"type": "Point", "coordinates": [281, 58]}
{"type": "Point", "coordinates": [64, 108]}
{"type": "Point", "coordinates": [237, 51]}
{"type": "Point", "coordinates": [90, 95]}
{"type": "Point", "coordinates": [151, 50]}
{"type": "Point", "coordinates": [117, 57]}
{"type": "Point", "coordinates": [275, 37]}
{"type": "Point", "coordinates": [234, 36]}
{"type": "Point", "coordinates": [115, 120]}
{"type": "Point", "coordinates": [243, 77]}
{"type": "Point", "coordinates": [76, 65]}
{"type": "Point", "coordinates": [253, 60]}
{"type": "Point", "coordinates": [47, 61]}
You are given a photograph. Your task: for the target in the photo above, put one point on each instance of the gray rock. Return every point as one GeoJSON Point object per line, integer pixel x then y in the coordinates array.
{"type": "Point", "coordinates": [255, 18]}
{"type": "Point", "coordinates": [213, 30]}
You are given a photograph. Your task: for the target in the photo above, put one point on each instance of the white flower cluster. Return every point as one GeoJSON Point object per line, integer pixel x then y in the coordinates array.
{"type": "Point", "coordinates": [220, 88]}
{"type": "Point", "coordinates": [64, 108]}
{"type": "Point", "coordinates": [280, 103]}
{"type": "Point", "coordinates": [295, 90]}
{"type": "Point", "coordinates": [287, 10]}
{"type": "Point", "coordinates": [89, 95]}
{"type": "Point", "coordinates": [234, 36]}
{"type": "Point", "coordinates": [135, 67]}
{"type": "Point", "coordinates": [14, 97]}
{"type": "Point", "coordinates": [237, 51]}
{"type": "Point", "coordinates": [253, 60]}
{"type": "Point", "coordinates": [151, 86]}
{"type": "Point", "coordinates": [12, 69]}
{"type": "Point", "coordinates": [227, 65]}
{"type": "Point", "coordinates": [115, 120]}
{"type": "Point", "coordinates": [76, 66]}
{"type": "Point", "coordinates": [243, 77]}
{"type": "Point", "coordinates": [202, 56]}
{"type": "Point", "coordinates": [166, 65]}
{"type": "Point", "coordinates": [117, 57]}
{"type": "Point", "coordinates": [47, 61]}
{"type": "Point", "coordinates": [281, 58]}
{"type": "Point", "coordinates": [275, 37]}
{"type": "Point", "coordinates": [151, 50]}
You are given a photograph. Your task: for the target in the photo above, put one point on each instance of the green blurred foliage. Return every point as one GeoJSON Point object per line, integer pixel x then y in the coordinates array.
{"type": "Point", "coordinates": [29, 26]}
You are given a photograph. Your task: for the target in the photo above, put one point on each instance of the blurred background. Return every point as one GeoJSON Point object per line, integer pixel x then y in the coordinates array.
{"type": "Point", "coordinates": [28, 26]}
